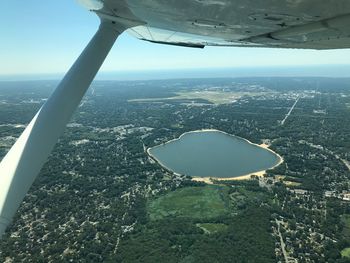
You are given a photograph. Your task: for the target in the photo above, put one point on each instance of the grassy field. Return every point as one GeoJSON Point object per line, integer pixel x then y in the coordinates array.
{"type": "Point", "coordinates": [192, 202]}
{"type": "Point", "coordinates": [346, 252]}
{"type": "Point", "coordinates": [291, 183]}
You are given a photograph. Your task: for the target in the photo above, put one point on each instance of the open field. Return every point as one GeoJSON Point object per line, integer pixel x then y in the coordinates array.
{"type": "Point", "coordinates": [192, 202]}
{"type": "Point", "coordinates": [346, 252]}
{"type": "Point", "coordinates": [291, 183]}
{"type": "Point", "coordinates": [215, 97]}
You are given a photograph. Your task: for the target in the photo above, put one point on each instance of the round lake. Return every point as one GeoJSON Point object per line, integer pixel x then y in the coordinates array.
{"type": "Point", "coordinates": [212, 153]}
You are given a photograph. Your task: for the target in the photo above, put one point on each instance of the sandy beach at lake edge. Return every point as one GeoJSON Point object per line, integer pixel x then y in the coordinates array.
{"type": "Point", "coordinates": [209, 180]}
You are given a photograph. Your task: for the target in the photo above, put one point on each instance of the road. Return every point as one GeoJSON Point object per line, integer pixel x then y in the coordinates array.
{"type": "Point", "coordinates": [283, 246]}
{"type": "Point", "coordinates": [290, 111]}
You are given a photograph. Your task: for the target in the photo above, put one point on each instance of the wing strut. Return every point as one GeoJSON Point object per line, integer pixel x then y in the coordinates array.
{"type": "Point", "coordinates": [23, 162]}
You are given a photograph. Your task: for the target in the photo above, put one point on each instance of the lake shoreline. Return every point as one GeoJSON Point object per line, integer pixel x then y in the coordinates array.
{"type": "Point", "coordinates": [209, 180]}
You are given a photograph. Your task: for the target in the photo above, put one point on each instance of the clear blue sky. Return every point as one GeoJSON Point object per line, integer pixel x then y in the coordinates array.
{"type": "Point", "coordinates": [47, 36]}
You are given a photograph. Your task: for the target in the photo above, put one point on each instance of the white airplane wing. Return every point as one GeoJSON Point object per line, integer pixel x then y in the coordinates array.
{"type": "Point", "coordinates": [309, 24]}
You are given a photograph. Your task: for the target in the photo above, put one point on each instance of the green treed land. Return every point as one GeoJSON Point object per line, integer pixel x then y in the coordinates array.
{"type": "Point", "coordinates": [210, 228]}
{"type": "Point", "coordinates": [202, 224]}
{"type": "Point", "coordinates": [92, 201]}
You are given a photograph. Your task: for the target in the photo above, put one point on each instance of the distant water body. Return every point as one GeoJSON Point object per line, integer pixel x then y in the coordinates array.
{"type": "Point", "coordinates": [329, 70]}
{"type": "Point", "coordinates": [212, 153]}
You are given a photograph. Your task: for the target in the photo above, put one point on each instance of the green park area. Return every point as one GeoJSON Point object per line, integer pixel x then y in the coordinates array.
{"type": "Point", "coordinates": [201, 223]}
{"type": "Point", "coordinates": [191, 202]}
{"type": "Point", "coordinates": [346, 252]}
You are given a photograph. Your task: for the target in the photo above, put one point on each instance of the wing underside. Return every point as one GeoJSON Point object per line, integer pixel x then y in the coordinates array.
{"type": "Point", "coordinates": [310, 24]}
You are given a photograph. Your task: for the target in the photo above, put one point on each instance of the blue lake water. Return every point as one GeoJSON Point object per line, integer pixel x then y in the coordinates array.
{"type": "Point", "coordinates": [213, 154]}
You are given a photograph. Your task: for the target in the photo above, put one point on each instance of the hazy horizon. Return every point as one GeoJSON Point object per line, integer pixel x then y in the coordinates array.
{"type": "Point", "coordinates": [335, 71]}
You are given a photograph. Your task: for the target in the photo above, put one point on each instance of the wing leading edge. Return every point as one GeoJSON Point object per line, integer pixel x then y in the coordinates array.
{"type": "Point", "coordinates": [308, 24]}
